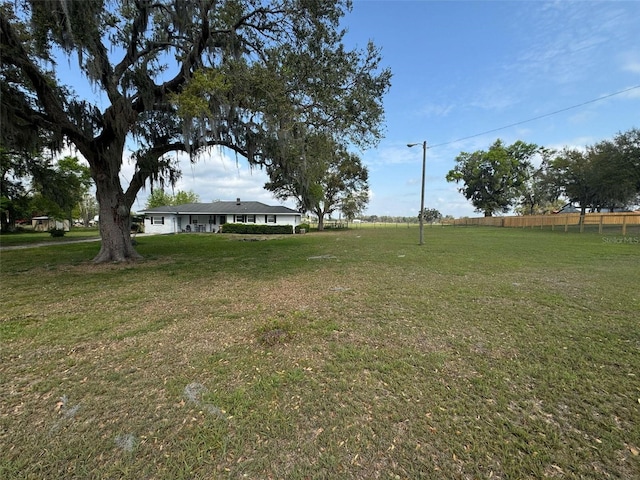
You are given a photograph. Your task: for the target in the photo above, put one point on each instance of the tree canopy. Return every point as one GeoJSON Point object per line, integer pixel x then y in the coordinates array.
{"type": "Point", "coordinates": [430, 215]}
{"type": "Point", "coordinates": [354, 204]}
{"type": "Point", "coordinates": [605, 175]}
{"type": "Point", "coordinates": [34, 185]}
{"type": "Point", "coordinates": [493, 180]}
{"type": "Point", "coordinates": [540, 192]}
{"type": "Point", "coordinates": [160, 198]}
{"type": "Point", "coordinates": [60, 187]}
{"type": "Point", "coordinates": [181, 75]}
{"type": "Point", "coordinates": [323, 178]}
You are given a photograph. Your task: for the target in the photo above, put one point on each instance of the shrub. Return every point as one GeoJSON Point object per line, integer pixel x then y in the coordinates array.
{"type": "Point", "coordinates": [306, 227]}
{"type": "Point", "coordinates": [57, 232]}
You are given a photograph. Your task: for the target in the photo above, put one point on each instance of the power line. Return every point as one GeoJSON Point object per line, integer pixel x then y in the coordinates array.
{"type": "Point", "coordinates": [537, 118]}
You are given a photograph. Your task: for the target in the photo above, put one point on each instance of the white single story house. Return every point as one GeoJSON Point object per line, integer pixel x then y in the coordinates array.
{"type": "Point", "coordinates": [209, 217]}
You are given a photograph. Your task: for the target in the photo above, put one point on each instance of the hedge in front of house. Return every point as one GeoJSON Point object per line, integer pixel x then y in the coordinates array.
{"type": "Point", "coordinates": [256, 229]}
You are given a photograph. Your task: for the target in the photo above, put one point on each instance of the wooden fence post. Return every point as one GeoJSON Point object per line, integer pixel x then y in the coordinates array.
{"type": "Point", "coordinates": [624, 225]}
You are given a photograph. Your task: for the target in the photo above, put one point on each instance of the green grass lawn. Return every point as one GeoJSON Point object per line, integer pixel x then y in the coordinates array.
{"type": "Point", "coordinates": [29, 237]}
{"type": "Point", "coordinates": [351, 354]}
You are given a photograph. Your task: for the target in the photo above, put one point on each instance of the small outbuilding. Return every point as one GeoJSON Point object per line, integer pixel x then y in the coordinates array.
{"type": "Point", "coordinates": [209, 217]}
{"type": "Point", "coordinates": [45, 224]}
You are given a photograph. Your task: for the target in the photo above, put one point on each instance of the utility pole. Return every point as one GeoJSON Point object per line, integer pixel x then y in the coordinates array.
{"type": "Point", "coordinates": [424, 163]}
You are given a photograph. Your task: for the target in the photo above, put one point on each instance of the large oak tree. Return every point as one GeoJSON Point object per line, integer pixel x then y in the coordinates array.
{"type": "Point", "coordinates": [602, 176]}
{"type": "Point", "coordinates": [494, 179]}
{"type": "Point", "coordinates": [182, 75]}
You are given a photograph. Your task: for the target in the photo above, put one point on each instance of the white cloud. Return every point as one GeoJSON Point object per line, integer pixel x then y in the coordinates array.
{"type": "Point", "coordinates": [629, 61]}
{"type": "Point", "coordinates": [215, 176]}
{"type": "Point", "coordinates": [569, 41]}
{"type": "Point", "coordinates": [583, 117]}
{"type": "Point", "coordinates": [577, 143]}
{"type": "Point", "coordinates": [436, 110]}
{"type": "Point", "coordinates": [493, 97]}
{"type": "Point", "coordinates": [631, 65]}
{"type": "Point", "coordinates": [631, 94]}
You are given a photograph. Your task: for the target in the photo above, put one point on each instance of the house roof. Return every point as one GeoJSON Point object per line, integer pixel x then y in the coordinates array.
{"type": "Point", "coordinates": [223, 208]}
{"type": "Point", "coordinates": [568, 208]}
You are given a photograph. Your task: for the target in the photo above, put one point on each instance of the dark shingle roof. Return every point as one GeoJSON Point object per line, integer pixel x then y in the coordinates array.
{"type": "Point", "coordinates": [222, 208]}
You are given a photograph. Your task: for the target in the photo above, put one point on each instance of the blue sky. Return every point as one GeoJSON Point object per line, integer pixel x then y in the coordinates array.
{"type": "Point", "coordinates": [464, 68]}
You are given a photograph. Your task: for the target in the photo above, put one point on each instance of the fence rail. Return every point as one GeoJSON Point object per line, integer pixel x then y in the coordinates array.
{"type": "Point", "coordinates": [618, 221]}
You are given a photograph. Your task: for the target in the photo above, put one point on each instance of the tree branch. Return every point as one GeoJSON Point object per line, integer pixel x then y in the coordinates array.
{"type": "Point", "coordinates": [14, 53]}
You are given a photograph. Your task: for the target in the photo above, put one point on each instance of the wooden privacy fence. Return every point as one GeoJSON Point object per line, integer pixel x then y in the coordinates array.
{"type": "Point", "coordinates": [563, 221]}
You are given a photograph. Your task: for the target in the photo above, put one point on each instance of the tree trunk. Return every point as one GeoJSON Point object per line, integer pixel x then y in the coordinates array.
{"type": "Point", "coordinates": [114, 220]}
{"type": "Point", "coordinates": [320, 220]}
{"type": "Point", "coordinates": [115, 231]}
{"type": "Point", "coordinates": [583, 212]}
{"type": "Point", "coordinates": [6, 223]}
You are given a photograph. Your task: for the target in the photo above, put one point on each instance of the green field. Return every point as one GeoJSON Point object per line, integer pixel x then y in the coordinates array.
{"type": "Point", "coordinates": [349, 354]}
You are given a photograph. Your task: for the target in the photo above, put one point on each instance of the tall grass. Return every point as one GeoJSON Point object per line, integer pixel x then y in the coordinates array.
{"type": "Point", "coordinates": [485, 353]}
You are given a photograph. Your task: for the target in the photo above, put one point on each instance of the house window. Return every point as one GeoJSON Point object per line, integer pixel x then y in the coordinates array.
{"type": "Point", "coordinates": [212, 219]}
{"type": "Point", "coordinates": [251, 219]}
{"type": "Point", "coordinates": [240, 218]}
{"type": "Point", "coordinates": [157, 220]}
{"type": "Point", "coordinates": [271, 219]}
